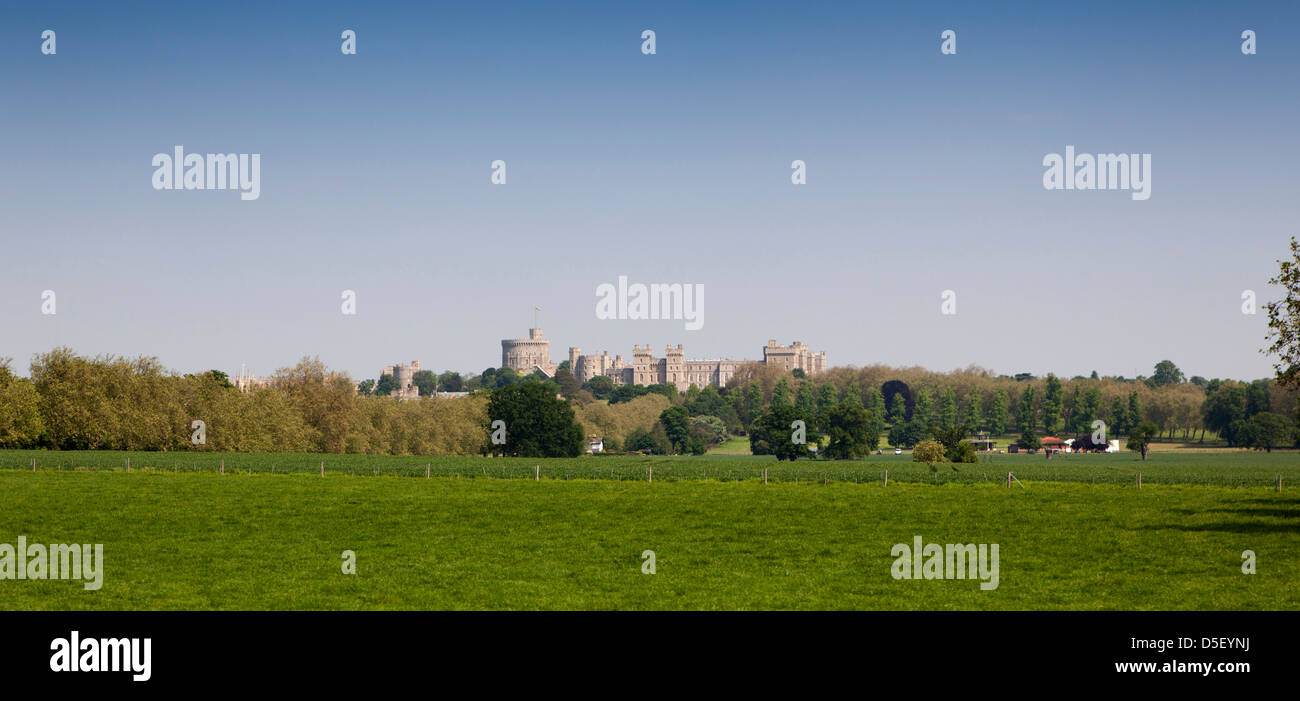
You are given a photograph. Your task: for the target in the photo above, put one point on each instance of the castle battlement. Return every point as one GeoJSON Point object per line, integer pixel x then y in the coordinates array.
{"type": "Point", "coordinates": [533, 354]}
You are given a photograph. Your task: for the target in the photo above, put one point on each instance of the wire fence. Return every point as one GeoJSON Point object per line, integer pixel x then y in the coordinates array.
{"type": "Point", "coordinates": [661, 470]}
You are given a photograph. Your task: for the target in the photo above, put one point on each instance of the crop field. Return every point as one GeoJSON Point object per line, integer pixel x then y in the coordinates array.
{"type": "Point", "coordinates": [1229, 468]}
{"type": "Point", "coordinates": [262, 541]}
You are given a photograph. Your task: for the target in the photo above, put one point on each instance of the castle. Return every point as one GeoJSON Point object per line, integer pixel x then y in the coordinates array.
{"type": "Point", "coordinates": [405, 377]}
{"type": "Point", "coordinates": [533, 354]}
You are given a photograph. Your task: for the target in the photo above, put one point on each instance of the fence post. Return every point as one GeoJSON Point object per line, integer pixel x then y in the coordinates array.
{"type": "Point", "coordinates": [322, 468]}
{"type": "Point", "coordinates": [886, 478]}
{"type": "Point", "coordinates": [1008, 480]}
{"type": "Point", "coordinates": [128, 464]}
{"type": "Point", "coordinates": [1139, 480]}
{"type": "Point", "coordinates": [537, 473]}
{"type": "Point", "coordinates": [652, 474]}
{"type": "Point", "coordinates": [223, 467]}
{"type": "Point", "coordinates": [34, 470]}
{"type": "Point", "coordinates": [1279, 482]}
{"type": "Point", "coordinates": [426, 470]}
{"type": "Point", "coordinates": [765, 475]}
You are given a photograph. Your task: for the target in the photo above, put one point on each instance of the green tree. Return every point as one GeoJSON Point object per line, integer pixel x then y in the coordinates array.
{"type": "Point", "coordinates": [600, 387]}
{"type": "Point", "coordinates": [781, 393]}
{"type": "Point", "coordinates": [1052, 405]}
{"type": "Point", "coordinates": [1224, 409]}
{"type": "Point", "coordinates": [851, 430]}
{"type": "Point", "coordinates": [826, 395]}
{"type": "Point", "coordinates": [1165, 374]}
{"type": "Point", "coordinates": [451, 382]}
{"type": "Point", "coordinates": [948, 408]}
{"type": "Point", "coordinates": [1026, 414]}
{"type": "Point", "coordinates": [1139, 439]}
{"type": "Point", "coordinates": [1087, 410]}
{"type": "Point", "coordinates": [20, 415]}
{"type": "Point", "coordinates": [1119, 422]}
{"type": "Point", "coordinates": [426, 382]}
{"type": "Point", "coordinates": [1284, 320]}
{"type": "Point", "coordinates": [1134, 411]}
{"type": "Point", "coordinates": [998, 413]}
{"type": "Point", "coordinates": [1270, 430]}
{"type": "Point", "coordinates": [677, 425]}
{"type": "Point", "coordinates": [366, 387]}
{"type": "Point", "coordinates": [568, 383]}
{"type": "Point", "coordinates": [709, 430]}
{"type": "Point", "coordinates": [974, 415]}
{"type": "Point", "coordinates": [928, 452]}
{"type": "Point", "coordinates": [385, 386]}
{"type": "Point", "coordinates": [805, 399]}
{"type": "Point", "coordinates": [773, 433]}
{"type": "Point", "coordinates": [753, 402]}
{"type": "Point", "coordinates": [538, 424]}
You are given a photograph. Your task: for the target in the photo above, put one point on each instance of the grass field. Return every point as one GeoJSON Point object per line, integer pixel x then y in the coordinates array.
{"type": "Point", "coordinates": [1230, 468]}
{"type": "Point", "coordinates": [263, 541]}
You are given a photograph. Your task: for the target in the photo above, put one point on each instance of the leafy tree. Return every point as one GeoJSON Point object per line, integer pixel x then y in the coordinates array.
{"type": "Point", "coordinates": [1026, 415]}
{"type": "Point", "coordinates": [20, 416]}
{"type": "Point", "coordinates": [1257, 397]}
{"type": "Point", "coordinates": [1052, 405]}
{"type": "Point", "coordinates": [781, 393]}
{"type": "Point", "coordinates": [451, 382]}
{"type": "Point", "coordinates": [1140, 438]}
{"type": "Point", "coordinates": [1284, 320]}
{"type": "Point", "coordinates": [425, 381]}
{"type": "Point", "coordinates": [1165, 374]}
{"type": "Point", "coordinates": [387, 383]}
{"type": "Point", "coordinates": [956, 449]}
{"type": "Point", "coordinates": [601, 387]}
{"type": "Point", "coordinates": [538, 425]}
{"type": "Point", "coordinates": [948, 408]}
{"type": "Point", "coordinates": [876, 405]}
{"type": "Point", "coordinates": [677, 425]}
{"type": "Point", "coordinates": [667, 390]}
{"type": "Point", "coordinates": [974, 415]}
{"type": "Point", "coordinates": [1134, 411]}
{"type": "Point", "coordinates": [998, 413]}
{"type": "Point", "coordinates": [1119, 421]}
{"type": "Point", "coordinates": [1029, 441]}
{"type": "Point", "coordinates": [805, 399]}
{"type": "Point", "coordinates": [709, 430]}
{"type": "Point", "coordinates": [929, 452]}
{"type": "Point", "coordinates": [852, 432]}
{"type": "Point", "coordinates": [773, 434]}
{"type": "Point", "coordinates": [366, 387]}
{"type": "Point", "coordinates": [826, 395]}
{"type": "Point", "coordinates": [798, 373]}
{"type": "Point", "coordinates": [1223, 409]}
{"type": "Point", "coordinates": [568, 383]}
{"type": "Point", "coordinates": [753, 402]}
{"type": "Point", "coordinates": [1270, 430]}
{"type": "Point", "coordinates": [220, 378]}
{"type": "Point", "coordinates": [1087, 410]}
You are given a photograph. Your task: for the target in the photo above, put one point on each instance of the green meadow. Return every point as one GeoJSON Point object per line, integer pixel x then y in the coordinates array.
{"type": "Point", "coordinates": [261, 541]}
{"type": "Point", "coordinates": [1167, 466]}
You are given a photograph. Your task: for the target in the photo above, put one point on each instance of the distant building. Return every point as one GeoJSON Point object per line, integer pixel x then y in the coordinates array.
{"type": "Point", "coordinates": [533, 354]}
{"type": "Point", "coordinates": [405, 378]}
{"type": "Point", "coordinates": [245, 381]}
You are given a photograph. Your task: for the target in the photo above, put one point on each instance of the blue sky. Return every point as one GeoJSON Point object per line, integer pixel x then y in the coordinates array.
{"type": "Point", "coordinates": [924, 175]}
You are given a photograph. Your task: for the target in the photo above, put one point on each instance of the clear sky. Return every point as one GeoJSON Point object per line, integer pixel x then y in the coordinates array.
{"type": "Point", "coordinates": [924, 174]}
